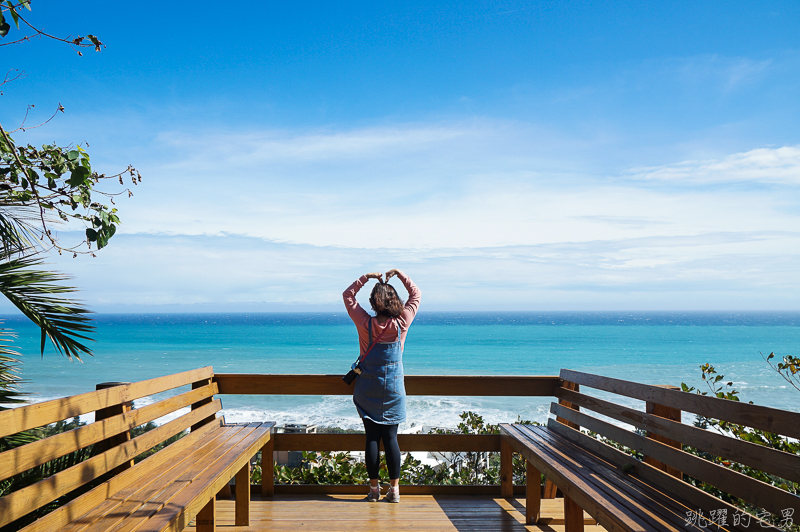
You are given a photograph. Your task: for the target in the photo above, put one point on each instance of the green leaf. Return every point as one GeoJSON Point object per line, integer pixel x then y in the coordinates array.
{"type": "Point", "coordinates": [15, 17]}
{"type": "Point", "coordinates": [78, 176]}
{"type": "Point", "coordinates": [4, 27]}
{"type": "Point", "coordinates": [42, 299]}
{"type": "Point", "coordinates": [73, 154]}
{"type": "Point", "coordinates": [95, 41]}
{"type": "Point", "coordinates": [104, 235]}
{"type": "Point", "coordinates": [102, 239]}
{"type": "Point", "coordinates": [91, 235]}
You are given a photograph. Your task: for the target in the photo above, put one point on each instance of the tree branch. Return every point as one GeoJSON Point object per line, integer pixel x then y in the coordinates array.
{"type": "Point", "coordinates": [24, 171]}
{"type": "Point", "coordinates": [77, 41]}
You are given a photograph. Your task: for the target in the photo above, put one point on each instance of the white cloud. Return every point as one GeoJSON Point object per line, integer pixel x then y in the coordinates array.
{"type": "Point", "coordinates": [726, 72]}
{"type": "Point", "coordinates": [763, 165]}
{"type": "Point", "coordinates": [458, 186]}
{"type": "Point", "coordinates": [708, 271]}
{"type": "Point", "coordinates": [484, 213]}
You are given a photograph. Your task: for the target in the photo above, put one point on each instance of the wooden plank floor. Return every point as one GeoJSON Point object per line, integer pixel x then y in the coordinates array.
{"type": "Point", "coordinates": [350, 513]}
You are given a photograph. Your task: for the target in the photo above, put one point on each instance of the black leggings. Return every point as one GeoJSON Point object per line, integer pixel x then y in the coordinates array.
{"type": "Point", "coordinates": [387, 433]}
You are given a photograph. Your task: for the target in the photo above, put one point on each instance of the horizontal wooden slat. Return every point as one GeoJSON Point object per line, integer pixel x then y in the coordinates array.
{"type": "Point", "coordinates": [405, 489]}
{"type": "Point", "coordinates": [759, 417]}
{"type": "Point", "coordinates": [737, 484]}
{"type": "Point", "coordinates": [40, 414]}
{"type": "Point", "coordinates": [683, 490]}
{"type": "Point", "coordinates": [450, 385]}
{"type": "Point", "coordinates": [608, 511]}
{"type": "Point", "coordinates": [180, 510]}
{"type": "Point", "coordinates": [648, 501]}
{"type": "Point", "coordinates": [331, 512]}
{"type": "Point", "coordinates": [407, 442]}
{"type": "Point", "coordinates": [19, 503]}
{"type": "Point", "coordinates": [782, 464]}
{"type": "Point", "coordinates": [131, 508]}
{"type": "Point", "coordinates": [637, 498]}
{"type": "Point", "coordinates": [156, 473]}
{"type": "Point", "coordinates": [60, 517]}
{"type": "Point", "coordinates": [35, 453]}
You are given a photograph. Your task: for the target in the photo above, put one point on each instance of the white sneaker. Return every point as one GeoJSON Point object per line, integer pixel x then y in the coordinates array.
{"type": "Point", "coordinates": [374, 494]}
{"type": "Point", "coordinates": [393, 495]}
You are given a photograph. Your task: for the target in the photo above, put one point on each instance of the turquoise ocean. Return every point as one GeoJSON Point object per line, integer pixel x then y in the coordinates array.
{"type": "Point", "coordinates": [649, 347]}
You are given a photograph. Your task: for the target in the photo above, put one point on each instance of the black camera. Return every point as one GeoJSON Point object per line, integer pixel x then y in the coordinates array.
{"type": "Point", "coordinates": [354, 372]}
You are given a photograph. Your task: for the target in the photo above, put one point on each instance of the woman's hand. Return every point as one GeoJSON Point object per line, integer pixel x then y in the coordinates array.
{"type": "Point", "coordinates": [391, 273]}
{"type": "Point", "coordinates": [377, 276]}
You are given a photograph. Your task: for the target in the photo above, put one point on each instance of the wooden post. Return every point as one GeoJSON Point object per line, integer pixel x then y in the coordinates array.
{"type": "Point", "coordinates": [673, 414]}
{"type": "Point", "coordinates": [506, 470]}
{"type": "Point", "coordinates": [205, 520]}
{"type": "Point", "coordinates": [533, 494]}
{"type": "Point", "coordinates": [119, 439]}
{"type": "Point", "coordinates": [573, 516]}
{"type": "Point", "coordinates": [268, 467]}
{"type": "Point", "coordinates": [242, 517]}
{"type": "Point", "coordinates": [198, 404]}
{"type": "Point", "coordinates": [550, 490]}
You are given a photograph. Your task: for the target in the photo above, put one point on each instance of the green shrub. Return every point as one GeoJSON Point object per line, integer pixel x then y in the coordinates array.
{"type": "Point", "coordinates": [467, 468]}
{"type": "Point", "coordinates": [717, 387]}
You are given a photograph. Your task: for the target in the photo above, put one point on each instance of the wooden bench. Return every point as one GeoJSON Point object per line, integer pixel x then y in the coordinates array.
{"type": "Point", "coordinates": [165, 491]}
{"type": "Point", "coordinates": [623, 493]}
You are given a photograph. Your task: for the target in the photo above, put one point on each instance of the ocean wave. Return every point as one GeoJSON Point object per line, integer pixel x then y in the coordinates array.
{"type": "Point", "coordinates": [338, 411]}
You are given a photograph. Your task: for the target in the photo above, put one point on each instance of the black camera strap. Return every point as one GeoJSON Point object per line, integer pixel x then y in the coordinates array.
{"type": "Point", "coordinates": [378, 339]}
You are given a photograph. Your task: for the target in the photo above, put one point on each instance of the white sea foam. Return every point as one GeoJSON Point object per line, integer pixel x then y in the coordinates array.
{"type": "Point", "coordinates": [339, 411]}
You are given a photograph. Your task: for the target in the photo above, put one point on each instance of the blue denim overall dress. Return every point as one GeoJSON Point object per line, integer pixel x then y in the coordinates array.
{"type": "Point", "coordinates": [380, 393]}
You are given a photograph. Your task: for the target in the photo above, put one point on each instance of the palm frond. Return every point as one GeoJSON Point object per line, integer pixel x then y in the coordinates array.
{"type": "Point", "coordinates": [17, 232]}
{"type": "Point", "coordinates": [9, 388]}
{"type": "Point", "coordinates": [9, 378]}
{"type": "Point", "coordinates": [39, 297]}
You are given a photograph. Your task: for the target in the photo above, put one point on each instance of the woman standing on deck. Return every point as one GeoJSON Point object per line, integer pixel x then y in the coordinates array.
{"type": "Point", "coordinates": [380, 394]}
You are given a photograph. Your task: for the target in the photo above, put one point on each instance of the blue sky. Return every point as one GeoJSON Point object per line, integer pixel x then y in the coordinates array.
{"type": "Point", "coordinates": [507, 155]}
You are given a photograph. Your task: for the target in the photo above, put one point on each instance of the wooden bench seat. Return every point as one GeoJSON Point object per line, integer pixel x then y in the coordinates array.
{"type": "Point", "coordinates": [598, 485]}
{"type": "Point", "coordinates": [166, 490]}
{"type": "Point", "coordinates": [166, 493]}
{"type": "Point", "coordinates": [625, 494]}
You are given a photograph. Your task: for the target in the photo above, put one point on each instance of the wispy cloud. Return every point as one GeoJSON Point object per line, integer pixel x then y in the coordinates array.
{"type": "Point", "coordinates": [763, 165]}
{"type": "Point", "coordinates": [448, 186]}
{"type": "Point", "coordinates": [705, 271]}
{"type": "Point", "coordinates": [725, 72]}
{"type": "Point", "coordinates": [482, 213]}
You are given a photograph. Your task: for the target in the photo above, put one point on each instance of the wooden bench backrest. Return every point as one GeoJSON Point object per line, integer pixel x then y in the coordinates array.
{"type": "Point", "coordinates": [18, 460]}
{"type": "Point", "coordinates": [665, 432]}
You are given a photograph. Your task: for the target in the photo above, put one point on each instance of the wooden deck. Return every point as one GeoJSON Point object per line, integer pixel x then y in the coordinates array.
{"type": "Point", "coordinates": [351, 513]}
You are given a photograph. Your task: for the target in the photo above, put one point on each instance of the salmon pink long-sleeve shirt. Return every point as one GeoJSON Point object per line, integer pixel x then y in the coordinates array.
{"type": "Point", "coordinates": [388, 330]}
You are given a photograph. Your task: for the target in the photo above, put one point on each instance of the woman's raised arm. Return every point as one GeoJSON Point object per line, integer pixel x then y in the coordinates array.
{"type": "Point", "coordinates": [354, 310]}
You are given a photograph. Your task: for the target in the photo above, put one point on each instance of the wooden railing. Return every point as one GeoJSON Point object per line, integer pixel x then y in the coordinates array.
{"type": "Point", "coordinates": [428, 385]}
{"type": "Point", "coordinates": [661, 420]}
{"type": "Point", "coordinates": [438, 385]}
